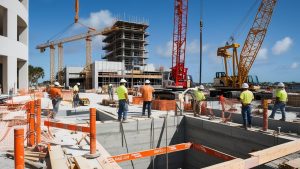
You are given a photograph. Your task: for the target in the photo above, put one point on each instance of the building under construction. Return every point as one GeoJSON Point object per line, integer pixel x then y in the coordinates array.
{"type": "Point", "coordinates": [125, 57]}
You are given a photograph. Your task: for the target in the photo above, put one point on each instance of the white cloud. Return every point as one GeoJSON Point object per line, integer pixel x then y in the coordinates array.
{"type": "Point", "coordinates": [282, 46]}
{"type": "Point", "coordinates": [165, 50]}
{"type": "Point", "coordinates": [192, 48]}
{"type": "Point", "coordinates": [262, 54]}
{"type": "Point", "coordinates": [98, 20]}
{"type": "Point", "coordinates": [295, 65]}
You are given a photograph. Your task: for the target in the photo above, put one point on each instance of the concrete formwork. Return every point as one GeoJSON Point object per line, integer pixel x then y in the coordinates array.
{"type": "Point", "coordinates": [138, 134]}
{"type": "Point", "coordinates": [231, 140]}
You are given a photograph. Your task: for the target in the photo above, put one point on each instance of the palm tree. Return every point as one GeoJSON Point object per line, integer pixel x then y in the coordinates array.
{"type": "Point", "coordinates": [34, 74]}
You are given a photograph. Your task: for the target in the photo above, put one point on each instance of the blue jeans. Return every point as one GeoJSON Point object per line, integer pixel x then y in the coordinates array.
{"type": "Point", "coordinates": [281, 106]}
{"type": "Point", "coordinates": [123, 108]}
{"type": "Point", "coordinates": [246, 114]}
{"type": "Point", "coordinates": [55, 105]}
{"type": "Point", "coordinates": [147, 104]}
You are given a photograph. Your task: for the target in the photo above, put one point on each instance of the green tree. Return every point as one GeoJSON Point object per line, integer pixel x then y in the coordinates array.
{"type": "Point", "coordinates": [34, 74]}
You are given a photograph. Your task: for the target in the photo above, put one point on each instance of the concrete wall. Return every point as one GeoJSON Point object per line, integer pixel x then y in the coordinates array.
{"type": "Point", "coordinates": [228, 139]}
{"type": "Point", "coordinates": [258, 121]}
{"type": "Point", "coordinates": [137, 135]}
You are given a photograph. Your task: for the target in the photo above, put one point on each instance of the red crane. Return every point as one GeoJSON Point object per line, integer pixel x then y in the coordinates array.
{"type": "Point", "coordinates": [178, 70]}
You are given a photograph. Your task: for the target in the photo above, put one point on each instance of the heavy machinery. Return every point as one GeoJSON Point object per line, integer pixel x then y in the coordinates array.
{"type": "Point", "coordinates": [177, 78]}
{"type": "Point", "coordinates": [241, 66]}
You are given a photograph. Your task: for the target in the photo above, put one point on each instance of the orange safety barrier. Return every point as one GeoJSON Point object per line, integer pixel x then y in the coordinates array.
{"type": "Point", "coordinates": [31, 125]}
{"type": "Point", "coordinates": [137, 100]}
{"type": "Point", "coordinates": [92, 130]}
{"type": "Point", "coordinates": [164, 105]}
{"type": "Point", "coordinates": [38, 121]}
{"type": "Point", "coordinates": [72, 127]}
{"type": "Point", "coordinates": [213, 152]}
{"type": "Point", "coordinates": [19, 148]}
{"type": "Point", "coordinates": [151, 152]}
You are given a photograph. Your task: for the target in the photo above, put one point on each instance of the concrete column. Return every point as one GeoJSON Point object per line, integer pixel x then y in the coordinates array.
{"type": "Point", "coordinates": [23, 74]}
{"type": "Point", "coordinates": [52, 64]}
{"type": "Point", "coordinates": [95, 75]}
{"type": "Point", "coordinates": [12, 24]}
{"type": "Point", "coordinates": [60, 62]}
{"type": "Point", "coordinates": [12, 74]}
{"type": "Point", "coordinates": [88, 51]}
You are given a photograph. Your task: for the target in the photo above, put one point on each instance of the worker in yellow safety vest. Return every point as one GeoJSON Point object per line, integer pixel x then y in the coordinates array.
{"type": "Point", "coordinates": [281, 99]}
{"type": "Point", "coordinates": [199, 98]}
{"type": "Point", "coordinates": [123, 101]}
{"type": "Point", "coordinates": [246, 98]}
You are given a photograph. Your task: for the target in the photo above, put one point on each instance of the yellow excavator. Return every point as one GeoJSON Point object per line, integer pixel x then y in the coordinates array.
{"type": "Point", "coordinates": [223, 81]}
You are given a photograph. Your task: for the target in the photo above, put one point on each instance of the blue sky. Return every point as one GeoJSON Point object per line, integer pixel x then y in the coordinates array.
{"type": "Point", "coordinates": [278, 59]}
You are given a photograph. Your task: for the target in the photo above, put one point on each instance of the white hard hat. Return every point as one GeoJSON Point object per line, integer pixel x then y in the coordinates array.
{"type": "Point", "coordinates": [78, 84]}
{"type": "Point", "coordinates": [280, 84]}
{"type": "Point", "coordinates": [56, 84]}
{"type": "Point", "coordinates": [245, 86]}
{"type": "Point", "coordinates": [110, 85]}
{"type": "Point", "coordinates": [201, 87]}
{"type": "Point", "coordinates": [147, 81]}
{"type": "Point", "coordinates": [123, 81]}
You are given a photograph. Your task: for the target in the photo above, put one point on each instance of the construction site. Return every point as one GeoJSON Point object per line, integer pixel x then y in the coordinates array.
{"type": "Point", "coordinates": [181, 132]}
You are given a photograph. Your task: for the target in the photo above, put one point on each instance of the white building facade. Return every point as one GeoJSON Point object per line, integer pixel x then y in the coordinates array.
{"type": "Point", "coordinates": [13, 45]}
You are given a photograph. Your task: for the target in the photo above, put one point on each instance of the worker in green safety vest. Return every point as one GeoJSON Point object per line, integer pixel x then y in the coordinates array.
{"type": "Point", "coordinates": [246, 98]}
{"type": "Point", "coordinates": [199, 98]}
{"type": "Point", "coordinates": [281, 99]}
{"type": "Point", "coordinates": [122, 93]}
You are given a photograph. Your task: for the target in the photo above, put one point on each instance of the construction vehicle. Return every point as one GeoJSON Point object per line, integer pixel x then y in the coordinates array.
{"type": "Point", "coordinates": [223, 82]}
{"type": "Point", "coordinates": [178, 78]}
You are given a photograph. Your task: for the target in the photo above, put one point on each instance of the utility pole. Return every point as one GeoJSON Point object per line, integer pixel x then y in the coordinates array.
{"type": "Point", "coordinates": [200, 67]}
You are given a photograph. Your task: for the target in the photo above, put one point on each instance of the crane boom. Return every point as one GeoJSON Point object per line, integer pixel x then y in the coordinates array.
{"type": "Point", "coordinates": [255, 38]}
{"type": "Point", "coordinates": [178, 70]}
{"type": "Point", "coordinates": [76, 11]}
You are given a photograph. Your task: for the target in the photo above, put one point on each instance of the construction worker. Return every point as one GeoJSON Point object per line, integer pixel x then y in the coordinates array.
{"type": "Point", "coordinates": [76, 95]}
{"type": "Point", "coordinates": [123, 101]}
{"type": "Point", "coordinates": [281, 99]}
{"type": "Point", "coordinates": [110, 92]}
{"type": "Point", "coordinates": [56, 97]}
{"type": "Point", "coordinates": [147, 92]}
{"type": "Point", "coordinates": [246, 98]}
{"type": "Point", "coordinates": [199, 98]}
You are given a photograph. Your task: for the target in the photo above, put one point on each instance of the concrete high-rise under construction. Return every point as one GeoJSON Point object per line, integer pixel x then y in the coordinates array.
{"type": "Point", "coordinates": [126, 43]}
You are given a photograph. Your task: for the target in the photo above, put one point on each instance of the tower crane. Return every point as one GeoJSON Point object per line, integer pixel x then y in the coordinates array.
{"type": "Point", "coordinates": [242, 65]}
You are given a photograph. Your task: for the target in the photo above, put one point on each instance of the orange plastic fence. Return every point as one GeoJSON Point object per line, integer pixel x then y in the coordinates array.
{"type": "Point", "coordinates": [72, 127]}
{"type": "Point", "coordinates": [151, 152]}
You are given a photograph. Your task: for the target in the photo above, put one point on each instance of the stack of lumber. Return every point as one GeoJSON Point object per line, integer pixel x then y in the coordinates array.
{"type": "Point", "coordinates": [32, 158]}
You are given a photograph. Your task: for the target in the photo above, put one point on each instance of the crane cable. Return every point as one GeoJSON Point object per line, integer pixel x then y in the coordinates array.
{"type": "Point", "coordinates": [242, 24]}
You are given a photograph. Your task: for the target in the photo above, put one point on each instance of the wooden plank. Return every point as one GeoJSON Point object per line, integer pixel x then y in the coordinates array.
{"type": "Point", "coordinates": [276, 152]}
{"type": "Point", "coordinates": [81, 163]}
{"type": "Point", "coordinates": [57, 158]}
{"type": "Point", "coordinates": [232, 164]}
{"type": "Point", "coordinates": [293, 163]}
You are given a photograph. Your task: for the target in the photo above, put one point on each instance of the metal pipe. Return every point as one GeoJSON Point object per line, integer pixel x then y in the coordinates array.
{"type": "Point", "coordinates": [265, 115]}
{"type": "Point", "coordinates": [92, 130]}
{"type": "Point", "coordinates": [31, 125]}
{"type": "Point", "coordinates": [19, 148]}
{"type": "Point", "coordinates": [38, 121]}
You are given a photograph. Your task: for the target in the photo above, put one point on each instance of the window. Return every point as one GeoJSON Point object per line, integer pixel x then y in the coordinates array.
{"type": "Point", "coordinates": [3, 21]}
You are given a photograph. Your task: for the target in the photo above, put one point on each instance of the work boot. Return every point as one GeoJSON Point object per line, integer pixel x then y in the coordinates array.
{"type": "Point", "coordinates": [271, 117]}
{"type": "Point", "coordinates": [124, 121]}
{"type": "Point", "coordinates": [250, 125]}
{"type": "Point", "coordinates": [282, 119]}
